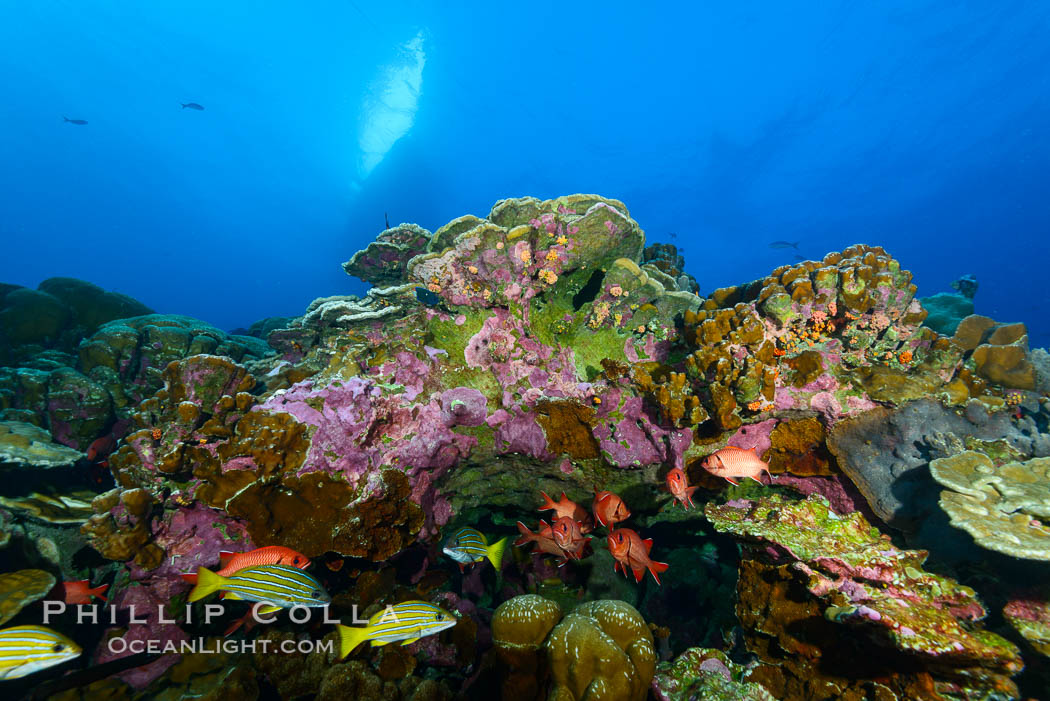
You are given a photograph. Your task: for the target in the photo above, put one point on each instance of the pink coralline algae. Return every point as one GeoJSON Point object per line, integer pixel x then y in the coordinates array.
{"type": "Point", "coordinates": [755, 436]}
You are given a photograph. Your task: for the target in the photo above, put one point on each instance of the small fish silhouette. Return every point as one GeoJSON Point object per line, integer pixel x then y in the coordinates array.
{"type": "Point", "coordinates": [785, 244]}
{"type": "Point", "coordinates": [674, 235]}
{"type": "Point", "coordinates": [78, 122]}
{"type": "Point", "coordinates": [386, 218]}
{"type": "Point", "coordinates": [192, 106]}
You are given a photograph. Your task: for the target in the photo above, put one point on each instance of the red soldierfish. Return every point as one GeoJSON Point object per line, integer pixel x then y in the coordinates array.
{"type": "Point", "coordinates": [569, 536]}
{"type": "Point", "coordinates": [567, 507]}
{"type": "Point", "coordinates": [678, 486]}
{"type": "Point", "coordinates": [730, 462]}
{"type": "Point", "coordinates": [80, 592]}
{"type": "Point", "coordinates": [268, 555]}
{"type": "Point", "coordinates": [100, 448]}
{"type": "Point", "coordinates": [544, 539]}
{"type": "Point", "coordinates": [609, 509]}
{"type": "Point", "coordinates": [629, 550]}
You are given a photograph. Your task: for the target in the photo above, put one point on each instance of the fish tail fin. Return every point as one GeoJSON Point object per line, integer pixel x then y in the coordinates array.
{"type": "Point", "coordinates": [207, 583]}
{"type": "Point", "coordinates": [548, 503]}
{"type": "Point", "coordinates": [100, 592]}
{"type": "Point", "coordinates": [526, 534]}
{"type": "Point", "coordinates": [795, 245]}
{"type": "Point", "coordinates": [656, 567]}
{"type": "Point", "coordinates": [183, 105]}
{"type": "Point", "coordinates": [495, 553]}
{"type": "Point", "coordinates": [190, 577]}
{"type": "Point", "coordinates": [65, 118]}
{"type": "Point", "coordinates": [350, 638]}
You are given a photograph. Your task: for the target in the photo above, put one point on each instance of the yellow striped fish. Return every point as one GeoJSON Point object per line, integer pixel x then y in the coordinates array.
{"type": "Point", "coordinates": [409, 622]}
{"type": "Point", "coordinates": [28, 649]}
{"type": "Point", "coordinates": [469, 545]}
{"type": "Point", "coordinates": [279, 586]}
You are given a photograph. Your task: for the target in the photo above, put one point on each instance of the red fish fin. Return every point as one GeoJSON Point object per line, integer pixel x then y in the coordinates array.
{"type": "Point", "coordinates": [616, 565]}
{"type": "Point", "coordinates": [655, 567]}
{"type": "Point", "coordinates": [236, 624]}
{"type": "Point", "coordinates": [689, 496]}
{"type": "Point", "coordinates": [225, 556]}
{"type": "Point", "coordinates": [461, 567]}
{"type": "Point", "coordinates": [733, 482]}
{"type": "Point", "coordinates": [563, 497]}
{"type": "Point", "coordinates": [757, 479]}
{"type": "Point", "coordinates": [543, 524]}
{"type": "Point", "coordinates": [639, 572]}
{"type": "Point", "coordinates": [99, 591]}
{"type": "Point", "coordinates": [648, 545]}
{"type": "Point", "coordinates": [526, 534]}
{"type": "Point", "coordinates": [191, 578]}
{"type": "Point", "coordinates": [548, 503]}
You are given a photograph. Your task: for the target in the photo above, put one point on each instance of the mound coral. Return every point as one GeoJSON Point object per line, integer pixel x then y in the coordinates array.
{"type": "Point", "coordinates": [602, 649]}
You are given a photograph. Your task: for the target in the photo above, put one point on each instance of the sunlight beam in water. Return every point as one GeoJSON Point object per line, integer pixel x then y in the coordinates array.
{"type": "Point", "coordinates": [390, 105]}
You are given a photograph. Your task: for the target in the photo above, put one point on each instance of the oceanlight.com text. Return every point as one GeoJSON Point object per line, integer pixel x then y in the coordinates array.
{"type": "Point", "coordinates": [120, 646]}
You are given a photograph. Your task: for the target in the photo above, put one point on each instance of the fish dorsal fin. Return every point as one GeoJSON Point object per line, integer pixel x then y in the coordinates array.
{"type": "Point", "coordinates": [543, 524]}
{"type": "Point", "coordinates": [648, 545]}
{"type": "Point", "coordinates": [225, 556]}
{"type": "Point", "coordinates": [563, 497]}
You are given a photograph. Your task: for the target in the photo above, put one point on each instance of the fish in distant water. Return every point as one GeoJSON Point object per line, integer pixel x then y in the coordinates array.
{"type": "Point", "coordinates": [386, 218]}
{"type": "Point", "coordinates": [785, 244]}
{"type": "Point", "coordinates": [609, 509]}
{"type": "Point", "coordinates": [407, 622]}
{"type": "Point", "coordinates": [678, 486]}
{"type": "Point", "coordinates": [630, 551]}
{"type": "Point", "coordinates": [425, 296]}
{"type": "Point", "coordinates": [192, 106]}
{"type": "Point", "coordinates": [674, 235]}
{"type": "Point", "coordinates": [798, 257]}
{"type": "Point", "coordinates": [278, 586]}
{"type": "Point", "coordinates": [78, 122]}
{"type": "Point", "coordinates": [80, 591]}
{"type": "Point", "coordinates": [267, 555]}
{"type": "Point", "coordinates": [469, 545]}
{"type": "Point", "coordinates": [567, 507]}
{"type": "Point", "coordinates": [28, 649]}
{"type": "Point", "coordinates": [730, 462]}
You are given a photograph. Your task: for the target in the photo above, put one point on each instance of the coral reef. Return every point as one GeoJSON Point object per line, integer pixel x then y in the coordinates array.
{"type": "Point", "coordinates": [700, 673]}
{"type": "Point", "coordinates": [1003, 507]}
{"type": "Point", "coordinates": [602, 649]}
{"type": "Point", "coordinates": [858, 579]}
{"type": "Point", "coordinates": [546, 347]}
{"type": "Point", "coordinates": [19, 589]}
{"type": "Point", "coordinates": [28, 445]}
{"type": "Point", "coordinates": [945, 310]}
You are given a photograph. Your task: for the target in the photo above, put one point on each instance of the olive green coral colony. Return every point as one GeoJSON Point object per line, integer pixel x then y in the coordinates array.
{"type": "Point", "coordinates": [546, 347]}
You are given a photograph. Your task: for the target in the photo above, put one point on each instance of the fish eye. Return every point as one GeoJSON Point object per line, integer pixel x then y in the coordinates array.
{"type": "Point", "coordinates": [59, 647]}
{"type": "Point", "coordinates": [295, 561]}
{"type": "Point", "coordinates": [316, 594]}
{"type": "Point", "coordinates": [437, 618]}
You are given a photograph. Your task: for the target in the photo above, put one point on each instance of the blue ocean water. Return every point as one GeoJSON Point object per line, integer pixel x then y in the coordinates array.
{"type": "Point", "coordinates": [918, 126]}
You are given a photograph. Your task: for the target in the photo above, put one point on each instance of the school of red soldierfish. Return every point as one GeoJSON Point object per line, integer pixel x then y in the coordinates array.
{"type": "Point", "coordinates": [564, 536]}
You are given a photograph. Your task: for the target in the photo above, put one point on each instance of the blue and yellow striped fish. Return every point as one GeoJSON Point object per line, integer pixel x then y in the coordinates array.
{"type": "Point", "coordinates": [468, 545]}
{"type": "Point", "coordinates": [28, 649]}
{"type": "Point", "coordinates": [280, 586]}
{"type": "Point", "coordinates": [409, 622]}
